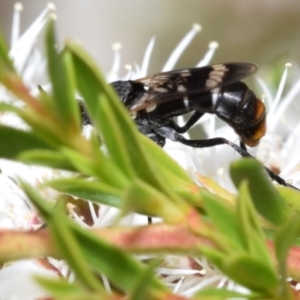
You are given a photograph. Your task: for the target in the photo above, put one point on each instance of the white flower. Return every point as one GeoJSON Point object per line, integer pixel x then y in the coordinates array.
{"type": "Point", "coordinates": [17, 280]}
{"type": "Point", "coordinates": [16, 212]}
{"type": "Point", "coordinates": [279, 147]}
{"type": "Point", "coordinates": [26, 56]}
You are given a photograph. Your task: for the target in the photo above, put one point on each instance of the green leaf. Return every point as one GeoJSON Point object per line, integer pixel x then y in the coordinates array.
{"type": "Point", "coordinates": [43, 207]}
{"type": "Point", "coordinates": [165, 163]}
{"type": "Point", "coordinates": [266, 198]}
{"type": "Point", "coordinates": [15, 141]}
{"type": "Point", "coordinates": [49, 158]}
{"type": "Point", "coordinates": [71, 84]}
{"type": "Point", "coordinates": [118, 266]}
{"type": "Point", "coordinates": [143, 198]}
{"type": "Point", "coordinates": [142, 290]}
{"type": "Point", "coordinates": [291, 197]}
{"type": "Point", "coordinates": [284, 238]}
{"type": "Point", "coordinates": [61, 287]}
{"type": "Point", "coordinates": [63, 290]}
{"type": "Point", "coordinates": [217, 257]}
{"type": "Point", "coordinates": [251, 273]}
{"type": "Point", "coordinates": [177, 178]}
{"type": "Point", "coordinates": [5, 62]}
{"type": "Point", "coordinates": [91, 190]}
{"type": "Point", "coordinates": [98, 165]}
{"type": "Point", "coordinates": [223, 218]}
{"type": "Point", "coordinates": [89, 81]}
{"type": "Point", "coordinates": [215, 293]}
{"type": "Point", "coordinates": [71, 251]}
{"type": "Point", "coordinates": [96, 93]}
{"type": "Point", "coordinates": [247, 213]}
{"type": "Point", "coordinates": [113, 131]}
{"type": "Point", "coordinates": [250, 231]}
{"type": "Point", "coordinates": [45, 99]}
{"type": "Point", "coordinates": [5, 107]}
{"type": "Point", "coordinates": [129, 140]}
{"type": "Point", "coordinates": [62, 80]}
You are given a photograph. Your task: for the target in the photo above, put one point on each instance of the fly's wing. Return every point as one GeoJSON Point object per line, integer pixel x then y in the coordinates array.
{"type": "Point", "coordinates": [167, 86]}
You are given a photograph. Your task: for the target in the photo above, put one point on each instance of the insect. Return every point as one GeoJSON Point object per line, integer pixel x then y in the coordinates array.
{"type": "Point", "coordinates": [154, 101]}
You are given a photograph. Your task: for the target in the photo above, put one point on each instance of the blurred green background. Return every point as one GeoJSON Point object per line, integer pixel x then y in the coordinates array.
{"type": "Point", "coordinates": [260, 31]}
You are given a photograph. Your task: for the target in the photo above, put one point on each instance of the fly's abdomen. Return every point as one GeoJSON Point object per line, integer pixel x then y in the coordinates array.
{"type": "Point", "coordinates": [243, 111]}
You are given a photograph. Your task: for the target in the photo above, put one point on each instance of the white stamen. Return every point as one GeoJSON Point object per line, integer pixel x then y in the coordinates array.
{"type": "Point", "coordinates": [117, 46]}
{"type": "Point", "coordinates": [113, 74]}
{"type": "Point", "coordinates": [293, 158]}
{"type": "Point", "coordinates": [181, 271]}
{"type": "Point", "coordinates": [181, 47]}
{"type": "Point", "coordinates": [267, 94]}
{"type": "Point", "coordinates": [15, 33]}
{"type": "Point", "coordinates": [221, 171]}
{"type": "Point", "coordinates": [53, 16]}
{"type": "Point", "coordinates": [203, 283]}
{"type": "Point", "coordinates": [289, 97]}
{"type": "Point", "coordinates": [137, 71]}
{"type": "Point", "coordinates": [197, 27]}
{"type": "Point", "coordinates": [177, 286]}
{"type": "Point", "coordinates": [92, 211]}
{"type": "Point", "coordinates": [221, 174]}
{"type": "Point", "coordinates": [106, 283]}
{"type": "Point", "coordinates": [51, 6]}
{"type": "Point", "coordinates": [279, 91]}
{"type": "Point", "coordinates": [286, 101]}
{"type": "Point", "coordinates": [23, 46]}
{"type": "Point", "coordinates": [222, 282]}
{"type": "Point", "coordinates": [213, 45]}
{"type": "Point", "coordinates": [146, 58]}
{"type": "Point", "coordinates": [128, 67]}
{"type": "Point", "coordinates": [18, 6]}
{"type": "Point", "coordinates": [209, 54]}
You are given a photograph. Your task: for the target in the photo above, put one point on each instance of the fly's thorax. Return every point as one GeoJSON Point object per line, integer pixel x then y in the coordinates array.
{"type": "Point", "coordinates": [129, 91]}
